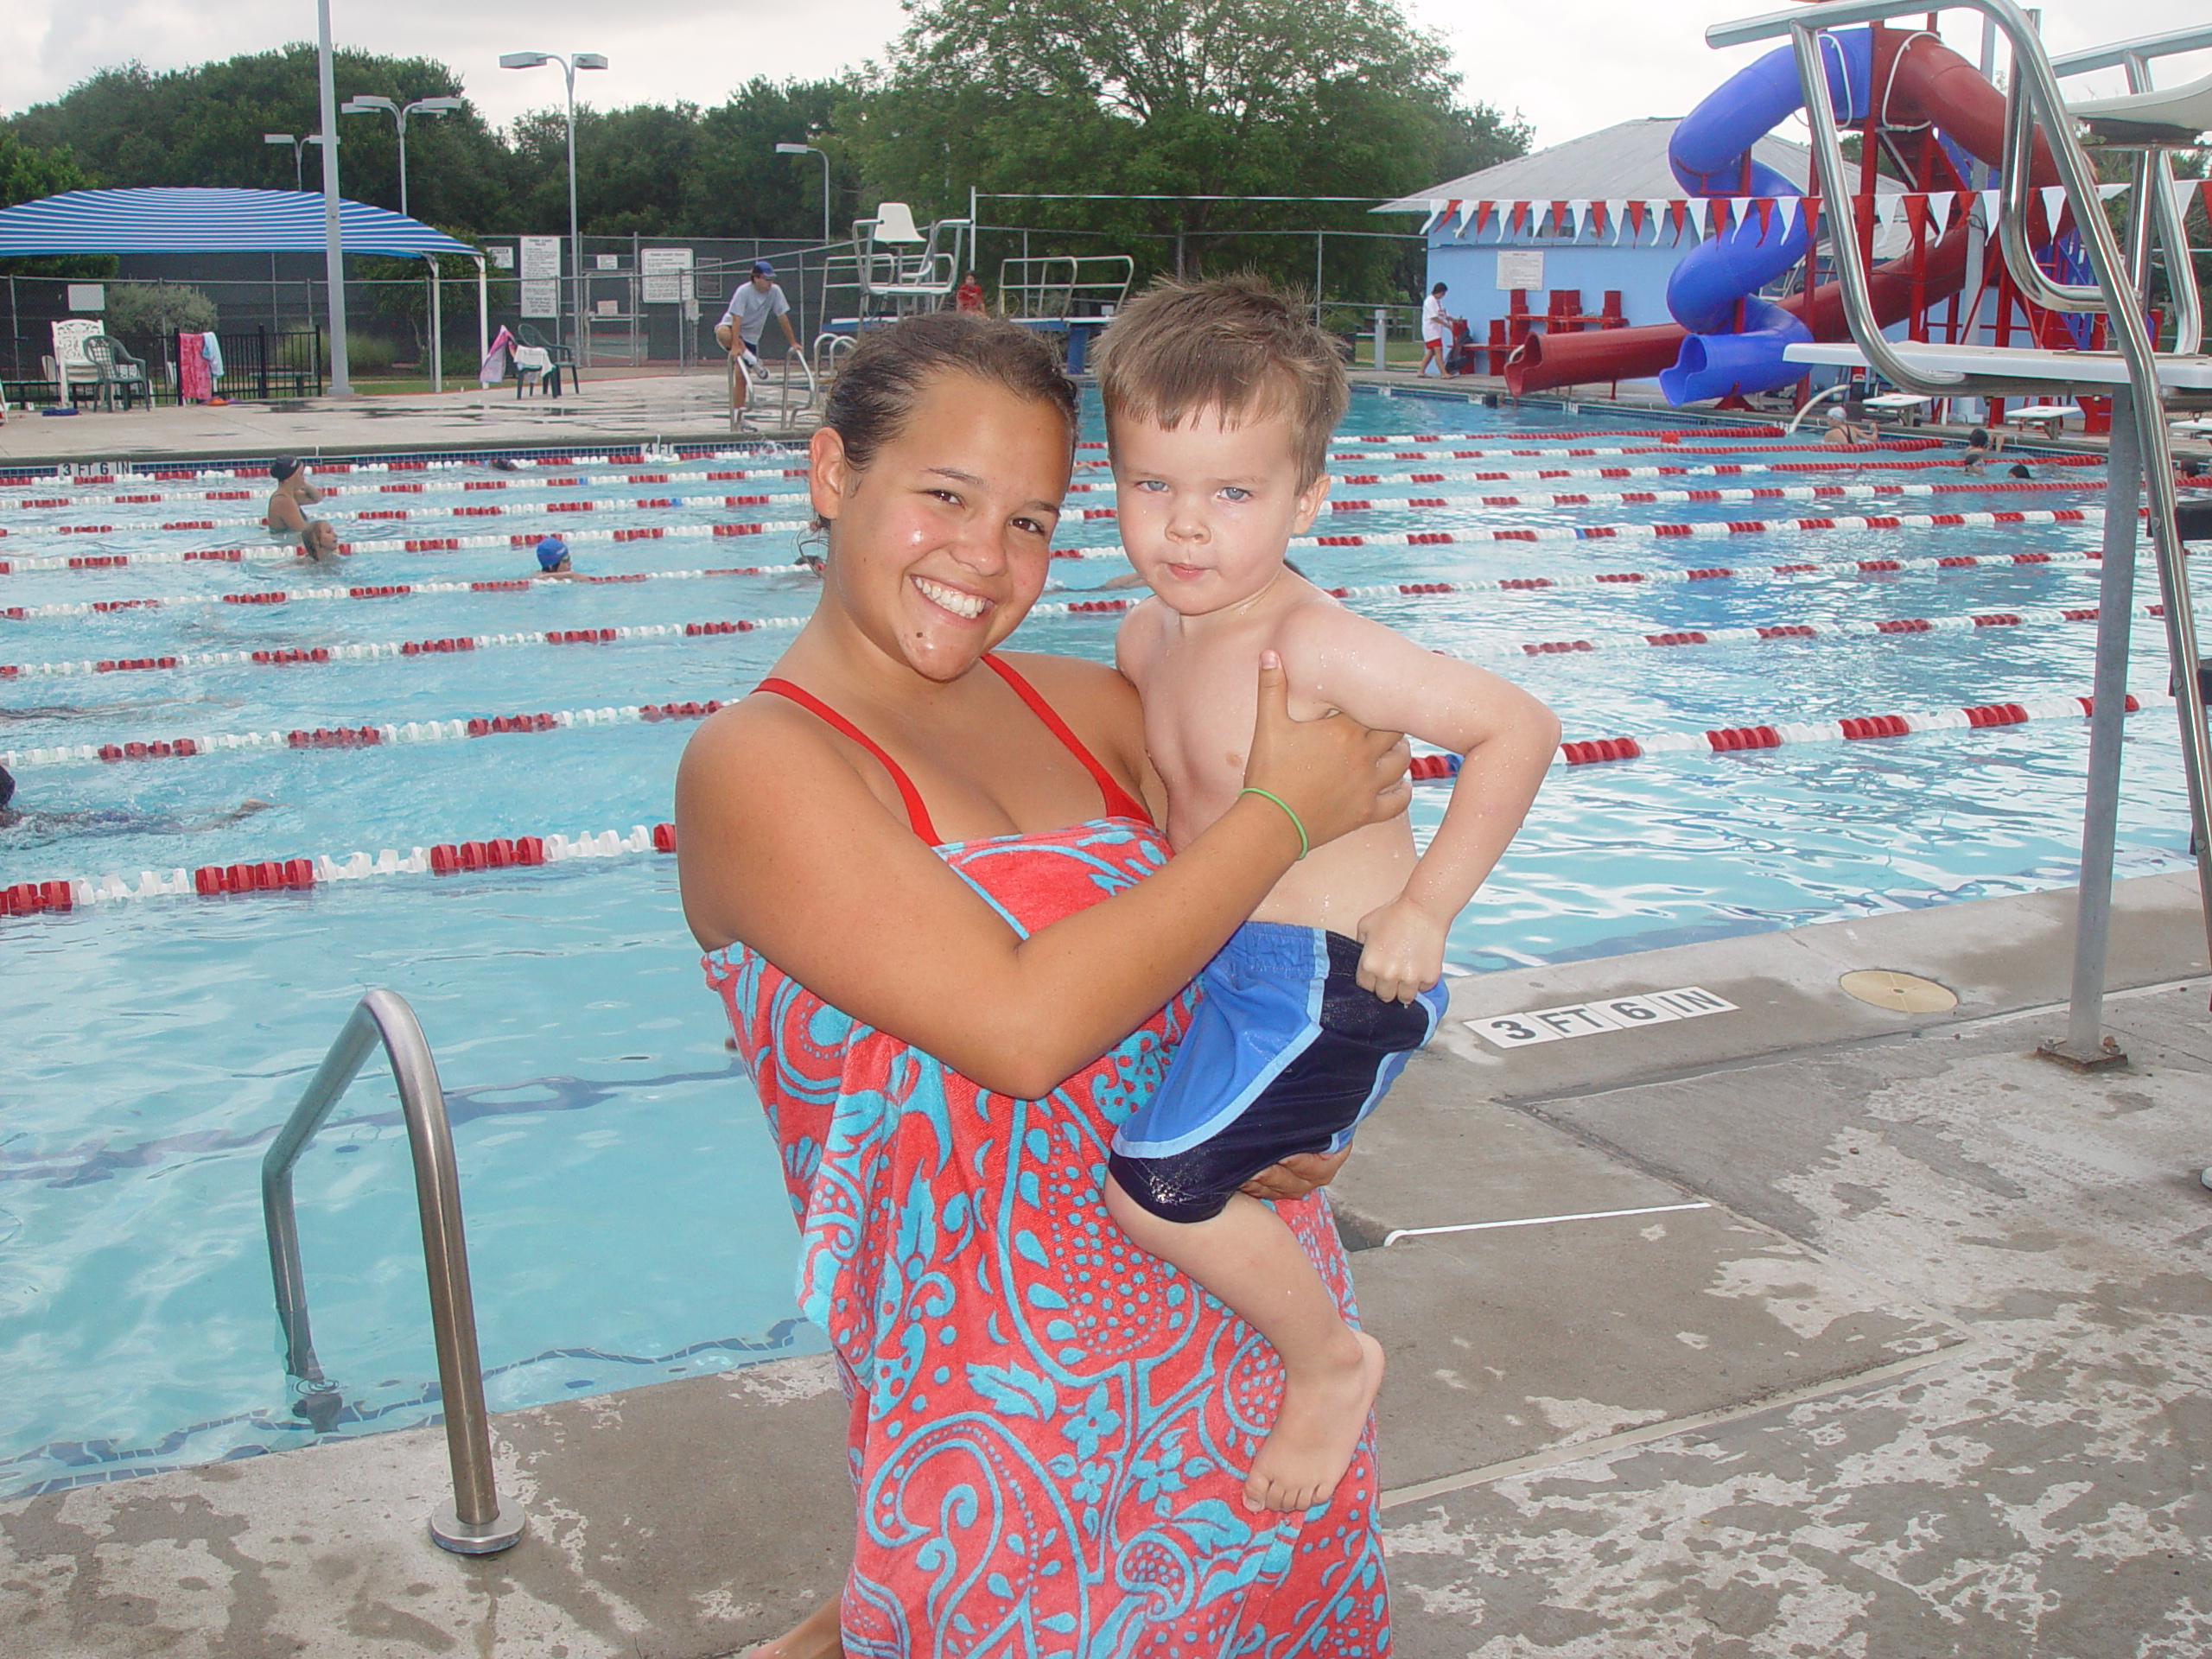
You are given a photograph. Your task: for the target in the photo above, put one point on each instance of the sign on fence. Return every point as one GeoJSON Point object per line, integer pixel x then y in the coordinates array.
{"type": "Point", "coordinates": [541, 276]}
{"type": "Point", "coordinates": [665, 275]}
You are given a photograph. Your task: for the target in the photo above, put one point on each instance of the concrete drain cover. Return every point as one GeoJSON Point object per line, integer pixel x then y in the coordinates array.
{"type": "Point", "coordinates": [1899, 993]}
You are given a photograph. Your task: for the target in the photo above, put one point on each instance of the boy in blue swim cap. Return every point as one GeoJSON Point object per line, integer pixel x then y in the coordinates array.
{"type": "Point", "coordinates": [553, 559]}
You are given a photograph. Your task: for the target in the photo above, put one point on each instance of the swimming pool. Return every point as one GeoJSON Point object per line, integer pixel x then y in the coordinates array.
{"type": "Point", "coordinates": [625, 1217]}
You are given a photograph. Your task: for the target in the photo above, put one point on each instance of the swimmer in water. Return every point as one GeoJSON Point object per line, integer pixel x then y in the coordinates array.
{"type": "Point", "coordinates": [553, 559]}
{"type": "Point", "coordinates": [106, 710]}
{"type": "Point", "coordinates": [295, 491]}
{"type": "Point", "coordinates": [112, 820]}
{"type": "Point", "coordinates": [319, 540]}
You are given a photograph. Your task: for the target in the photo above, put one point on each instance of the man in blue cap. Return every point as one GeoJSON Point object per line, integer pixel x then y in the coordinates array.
{"type": "Point", "coordinates": [553, 559]}
{"type": "Point", "coordinates": [756, 300]}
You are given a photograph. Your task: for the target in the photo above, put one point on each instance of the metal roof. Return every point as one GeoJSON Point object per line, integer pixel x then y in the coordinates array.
{"type": "Point", "coordinates": [1617, 163]}
{"type": "Point", "coordinates": [207, 221]}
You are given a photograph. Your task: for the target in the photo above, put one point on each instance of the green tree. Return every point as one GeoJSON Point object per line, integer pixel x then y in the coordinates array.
{"type": "Point", "coordinates": [204, 125]}
{"type": "Point", "coordinates": [1173, 97]}
{"type": "Point", "coordinates": [27, 174]}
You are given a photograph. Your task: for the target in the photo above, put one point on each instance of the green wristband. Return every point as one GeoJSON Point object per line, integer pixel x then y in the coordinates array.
{"type": "Point", "coordinates": [1304, 845]}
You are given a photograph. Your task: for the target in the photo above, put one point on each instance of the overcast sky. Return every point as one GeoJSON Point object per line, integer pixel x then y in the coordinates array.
{"type": "Point", "coordinates": [1570, 65]}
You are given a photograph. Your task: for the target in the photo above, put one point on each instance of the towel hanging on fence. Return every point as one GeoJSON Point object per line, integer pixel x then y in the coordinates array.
{"type": "Point", "coordinates": [193, 384]}
{"type": "Point", "coordinates": [213, 353]}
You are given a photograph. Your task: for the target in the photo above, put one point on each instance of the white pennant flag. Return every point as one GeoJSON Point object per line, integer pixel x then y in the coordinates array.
{"type": "Point", "coordinates": [1661, 211]}
{"type": "Point", "coordinates": [1579, 207]}
{"type": "Point", "coordinates": [1616, 212]}
{"type": "Point", "coordinates": [2054, 201]}
{"type": "Point", "coordinates": [1989, 209]}
{"type": "Point", "coordinates": [2106, 192]}
{"type": "Point", "coordinates": [1939, 209]}
{"type": "Point", "coordinates": [1436, 211]}
{"type": "Point", "coordinates": [1786, 207]}
{"type": "Point", "coordinates": [1887, 208]}
{"type": "Point", "coordinates": [1467, 217]}
{"type": "Point", "coordinates": [2181, 188]}
{"type": "Point", "coordinates": [1700, 216]}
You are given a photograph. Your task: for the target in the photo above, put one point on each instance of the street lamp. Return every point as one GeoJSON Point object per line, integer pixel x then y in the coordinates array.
{"type": "Point", "coordinates": [299, 148]}
{"type": "Point", "coordinates": [362, 104]}
{"type": "Point", "coordinates": [809, 149]}
{"type": "Point", "coordinates": [568, 67]}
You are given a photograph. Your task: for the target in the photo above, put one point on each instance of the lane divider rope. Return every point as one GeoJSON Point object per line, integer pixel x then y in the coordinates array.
{"type": "Point", "coordinates": [301, 873]}
{"type": "Point", "coordinates": [388, 651]}
{"type": "Point", "coordinates": [2061, 559]}
{"type": "Point", "coordinates": [1766, 492]}
{"type": "Point", "coordinates": [1404, 538]}
{"type": "Point", "coordinates": [355, 737]}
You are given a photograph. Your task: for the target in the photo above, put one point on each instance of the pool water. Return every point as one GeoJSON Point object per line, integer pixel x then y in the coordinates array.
{"type": "Point", "coordinates": [626, 1220]}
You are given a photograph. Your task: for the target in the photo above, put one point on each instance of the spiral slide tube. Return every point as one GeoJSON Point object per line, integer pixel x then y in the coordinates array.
{"type": "Point", "coordinates": [1925, 81]}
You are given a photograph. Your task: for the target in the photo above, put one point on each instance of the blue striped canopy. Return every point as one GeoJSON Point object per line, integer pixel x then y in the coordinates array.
{"type": "Point", "coordinates": [207, 221]}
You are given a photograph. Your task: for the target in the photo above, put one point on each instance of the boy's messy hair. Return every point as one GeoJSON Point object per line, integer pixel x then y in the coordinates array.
{"type": "Point", "coordinates": [1235, 345]}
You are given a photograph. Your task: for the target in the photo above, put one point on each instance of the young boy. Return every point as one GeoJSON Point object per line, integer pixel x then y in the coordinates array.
{"type": "Point", "coordinates": [1220, 400]}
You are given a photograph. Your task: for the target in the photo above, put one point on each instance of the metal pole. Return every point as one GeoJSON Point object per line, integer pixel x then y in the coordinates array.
{"type": "Point", "coordinates": [2086, 1043]}
{"type": "Point", "coordinates": [437, 327]}
{"type": "Point", "coordinates": [575, 239]}
{"type": "Point", "coordinates": [333, 248]}
{"type": "Point", "coordinates": [483, 312]}
{"type": "Point", "coordinates": [824, 154]}
{"type": "Point", "coordinates": [400, 116]}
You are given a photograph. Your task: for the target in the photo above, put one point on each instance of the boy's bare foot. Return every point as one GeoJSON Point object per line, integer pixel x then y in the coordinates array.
{"type": "Point", "coordinates": [1316, 1432]}
{"type": "Point", "coordinates": [817, 1636]}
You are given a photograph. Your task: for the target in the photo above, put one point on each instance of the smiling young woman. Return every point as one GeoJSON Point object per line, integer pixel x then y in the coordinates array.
{"type": "Point", "coordinates": [954, 954]}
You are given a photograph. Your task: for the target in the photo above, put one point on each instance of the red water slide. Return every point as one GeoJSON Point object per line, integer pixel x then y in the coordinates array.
{"type": "Point", "coordinates": [1927, 81]}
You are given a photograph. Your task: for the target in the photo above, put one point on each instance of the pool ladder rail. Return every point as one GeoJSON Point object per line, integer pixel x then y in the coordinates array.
{"type": "Point", "coordinates": [476, 1522]}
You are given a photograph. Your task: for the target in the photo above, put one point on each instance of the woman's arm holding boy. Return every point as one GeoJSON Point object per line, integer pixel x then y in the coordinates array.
{"type": "Point", "coordinates": [1506, 737]}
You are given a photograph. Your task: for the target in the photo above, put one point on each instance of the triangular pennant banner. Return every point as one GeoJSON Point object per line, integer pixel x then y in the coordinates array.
{"type": "Point", "coordinates": [1916, 215]}
{"type": "Point", "coordinates": [1939, 206]}
{"type": "Point", "coordinates": [1482, 214]}
{"type": "Point", "coordinates": [1616, 211]}
{"type": "Point", "coordinates": [1765, 205]}
{"type": "Point", "coordinates": [1436, 212]}
{"type": "Point", "coordinates": [1885, 208]}
{"type": "Point", "coordinates": [2054, 203]}
{"type": "Point", "coordinates": [1465, 210]}
{"type": "Point", "coordinates": [1700, 214]}
{"type": "Point", "coordinates": [1788, 206]}
{"type": "Point", "coordinates": [1665, 212]}
{"type": "Point", "coordinates": [1579, 207]}
{"type": "Point", "coordinates": [2106, 192]}
{"type": "Point", "coordinates": [1558, 211]}
{"type": "Point", "coordinates": [1989, 209]}
{"type": "Point", "coordinates": [1636, 211]}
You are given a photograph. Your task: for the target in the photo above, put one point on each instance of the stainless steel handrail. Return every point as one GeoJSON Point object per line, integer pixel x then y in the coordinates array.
{"type": "Point", "coordinates": [476, 1522]}
{"type": "Point", "coordinates": [2154, 175]}
{"type": "Point", "coordinates": [2033, 88]}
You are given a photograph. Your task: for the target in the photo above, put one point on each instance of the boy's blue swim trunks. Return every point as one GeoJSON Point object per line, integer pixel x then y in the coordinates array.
{"type": "Point", "coordinates": [1285, 1054]}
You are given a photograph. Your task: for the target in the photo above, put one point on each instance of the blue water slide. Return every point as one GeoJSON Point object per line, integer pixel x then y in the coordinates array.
{"type": "Point", "coordinates": [1710, 155]}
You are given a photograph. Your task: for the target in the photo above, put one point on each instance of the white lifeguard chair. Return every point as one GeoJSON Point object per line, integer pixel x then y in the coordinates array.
{"type": "Point", "coordinates": [903, 268]}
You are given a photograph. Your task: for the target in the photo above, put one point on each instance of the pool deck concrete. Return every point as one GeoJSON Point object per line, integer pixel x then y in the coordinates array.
{"type": "Point", "coordinates": [1907, 1352]}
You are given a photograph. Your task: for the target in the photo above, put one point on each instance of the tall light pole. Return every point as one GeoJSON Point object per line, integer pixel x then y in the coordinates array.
{"type": "Point", "coordinates": [334, 245]}
{"type": "Point", "coordinates": [299, 147]}
{"type": "Point", "coordinates": [362, 104]}
{"type": "Point", "coordinates": [569, 66]}
{"type": "Point", "coordinates": [809, 149]}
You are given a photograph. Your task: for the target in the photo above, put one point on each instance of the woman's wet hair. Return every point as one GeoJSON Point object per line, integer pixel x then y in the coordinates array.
{"type": "Point", "coordinates": [889, 372]}
{"type": "Point", "coordinates": [282, 468]}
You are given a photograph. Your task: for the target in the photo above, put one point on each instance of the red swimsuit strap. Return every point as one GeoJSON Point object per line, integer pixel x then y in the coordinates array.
{"type": "Point", "coordinates": [1120, 803]}
{"type": "Point", "coordinates": [918, 816]}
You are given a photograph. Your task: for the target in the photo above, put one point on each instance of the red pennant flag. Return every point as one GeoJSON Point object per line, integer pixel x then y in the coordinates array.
{"type": "Point", "coordinates": [2205, 191]}
{"type": "Point", "coordinates": [1482, 215]}
{"type": "Point", "coordinates": [1560, 219]}
{"type": "Point", "coordinates": [1916, 215]}
{"type": "Point", "coordinates": [1681, 212]}
{"type": "Point", "coordinates": [1766, 215]}
{"type": "Point", "coordinates": [1597, 216]}
{"type": "Point", "coordinates": [1635, 218]}
{"type": "Point", "coordinates": [1519, 212]}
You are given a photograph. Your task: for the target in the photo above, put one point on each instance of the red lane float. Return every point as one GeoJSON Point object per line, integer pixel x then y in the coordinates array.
{"type": "Point", "coordinates": [303, 875]}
